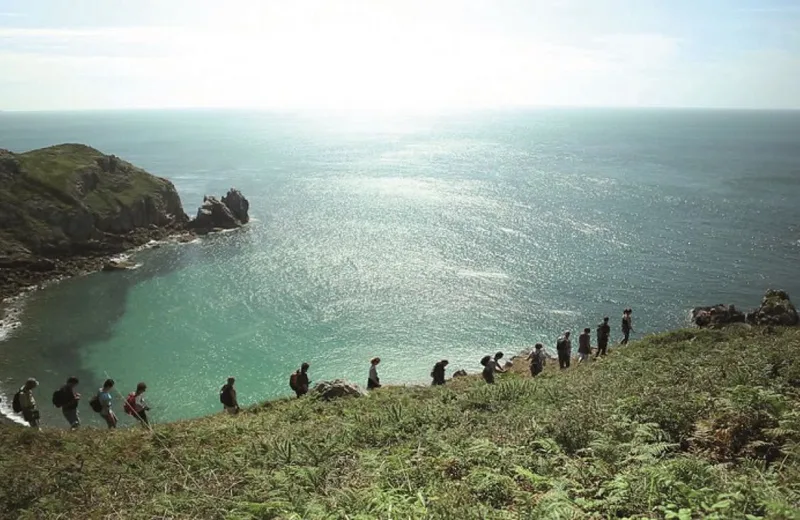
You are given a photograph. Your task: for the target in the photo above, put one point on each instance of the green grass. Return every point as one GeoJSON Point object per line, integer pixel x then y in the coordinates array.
{"type": "Point", "coordinates": [690, 424]}
{"type": "Point", "coordinates": [37, 206]}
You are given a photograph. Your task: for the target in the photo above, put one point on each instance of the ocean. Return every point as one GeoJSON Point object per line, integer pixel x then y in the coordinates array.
{"type": "Point", "coordinates": [413, 237]}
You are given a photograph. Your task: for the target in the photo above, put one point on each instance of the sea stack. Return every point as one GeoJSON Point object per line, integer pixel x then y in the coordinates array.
{"type": "Point", "coordinates": [229, 213]}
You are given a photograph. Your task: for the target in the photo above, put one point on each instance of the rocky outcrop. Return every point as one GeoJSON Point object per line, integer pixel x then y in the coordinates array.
{"type": "Point", "coordinates": [338, 388]}
{"type": "Point", "coordinates": [118, 265]}
{"type": "Point", "coordinates": [460, 373]}
{"type": "Point", "coordinates": [65, 207]}
{"type": "Point", "coordinates": [717, 316]}
{"type": "Point", "coordinates": [238, 205]}
{"type": "Point", "coordinates": [229, 213]}
{"type": "Point", "coordinates": [213, 214]}
{"type": "Point", "coordinates": [776, 309]}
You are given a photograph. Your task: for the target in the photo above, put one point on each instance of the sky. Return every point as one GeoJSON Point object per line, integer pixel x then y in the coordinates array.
{"type": "Point", "coordinates": [398, 54]}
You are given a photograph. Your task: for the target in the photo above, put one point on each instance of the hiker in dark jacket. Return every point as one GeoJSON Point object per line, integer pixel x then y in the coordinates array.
{"type": "Point", "coordinates": [69, 399]}
{"type": "Point", "coordinates": [373, 381]}
{"type": "Point", "coordinates": [302, 382]}
{"type": "Point", "coordinates": [564, 350]}
{"type": "Point", "coordinates": [228, 398]}
{"type": "Point", "coordinates": [603, 335]}
{"type": "Point", "coordinates": [438, 372]}
{"type": "Point", "coordinates": [491, 365]}
{"type": "Point", "coordinates": [627, 326]}
{"type": "Point", "coordinates": [584, 345]}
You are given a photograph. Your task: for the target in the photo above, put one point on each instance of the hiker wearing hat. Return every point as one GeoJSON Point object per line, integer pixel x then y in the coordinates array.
{"type": "Point", "coordinates": [564, 350]}
{"type": "Point", "coordinates": [27, 403]}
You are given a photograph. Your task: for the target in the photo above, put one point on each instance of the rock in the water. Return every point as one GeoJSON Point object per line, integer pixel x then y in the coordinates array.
{"type": "Point", "coordinates": [338, 388]}
{"type": "Point", "coordinates": [228, 213]}
{"type": "Point", "coordinates": [776, 309]}
{"type": "Point", "coordinates": [118, 265]}
{"type": "Point", "coordinates": [716, 316]}
{"type": "Point", "coordinates": [214, 214]}
{"type": "Point", "coordinates": [238, 205]}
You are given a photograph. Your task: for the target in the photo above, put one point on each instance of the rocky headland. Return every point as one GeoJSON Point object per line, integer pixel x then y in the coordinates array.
{"type": "Point", "coordinates": [67, 209]}
{"type": "Point", "coordinates": [776, 309]}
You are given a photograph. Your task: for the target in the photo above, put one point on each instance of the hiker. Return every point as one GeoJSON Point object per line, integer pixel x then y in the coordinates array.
{"type": "Point", "coordinates": [584, 345]}
{"type": "Point", "coordinates": [537, 358]}
{"type": "Point", "coordinates": [603, 334]}
{"type": "Point", "coordinates": [438, 372]}
{"type": "Point", "coordinates": [136, 406]}
{"type": "Point", "coordinates": [227, 396]}
{"type": "Point", "coordinates": [298, 381]}
{"type": "Point", "coordinates": [67, 399]}
{"type": "Point", "coordinates": [627, 326]}
{"type": "Point", "coordinates": [25, 403]}
{"type": "Point", "coordinates": [564, 350]}
{"type": "Point", "coordinates": [105, 401]}
{"type": "Point", "coordinates": [373, 381]}
{"type": "Point", "coordinates": [490, 366]}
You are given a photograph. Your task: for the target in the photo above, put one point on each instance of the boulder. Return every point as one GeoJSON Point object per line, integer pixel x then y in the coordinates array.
{"type": "Point", "coordinates": [214, 214]}
{"type": "Point", "coordinates": [776, 309]}
{"type": "Point", "coordinates": [338, 388]}
{"type": "Point", "coordinates": [238, 205]}
{"type": "Point", "coordinates": [118, 265]}
{"type": "Point", "coordinates": [717, 316]}
{"type": "Point", "coordinates": [460, 373]}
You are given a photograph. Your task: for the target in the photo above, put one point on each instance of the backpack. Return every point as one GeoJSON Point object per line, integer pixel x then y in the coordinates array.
{"type": "Point", "coordinates": [60, 397]}
{"type": "Point", "coordinates": [561, 345]}
{"type": "Point", "coordinates": [94, 402]}
{"type": "Point", "coordinates": [16, 404]}
{"type": "Point", "coordinates": [485, 360]}
{"type": "Point", "coordinates": [130, 404]}
{"type": "Point", "coordinates": [293, 380]}
{"type": "Point", "coordinates": [225, 396]}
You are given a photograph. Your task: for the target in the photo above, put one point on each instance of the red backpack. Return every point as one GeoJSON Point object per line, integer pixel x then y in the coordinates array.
{"type": "Point", "coordinates": [130, 404]}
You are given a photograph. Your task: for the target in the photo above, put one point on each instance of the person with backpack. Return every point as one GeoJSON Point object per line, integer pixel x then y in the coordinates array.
{"type": "Point", "coordinates": [438, 372]}
{"type": "Point", "coordinates": [373, 381]}
{"type": "Point", "coordinates": [537, 359]}
{"type": "Point", "coordinates": [491, 365]}
{"type": "Point", "coordinates": [584, 345]}
{"type": "Point", "coordinates": [67, 399]}
{"type": "Point", "coordinates": [298, 381]}
{"type": "Point", "coordinates": [101, 403]}
{"type": "Point", "coordinates": [25, 403]}
{"type": "Point", "coordinates": [603, 334]}
{"type": "Point", "coordinates": [227, 396]}
{"type": "Point", "coordinates": [564, 350]}
{"type": "Point", "coordinates": [136, 406]}
{"type": "Point", "coordinates": [627, 326]}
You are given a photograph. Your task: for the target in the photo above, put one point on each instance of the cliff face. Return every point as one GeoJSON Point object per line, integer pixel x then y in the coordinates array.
{"type": "Point", "coordinates": [70, 197]}
{"type": "Point", "coordinates": [70, 201]}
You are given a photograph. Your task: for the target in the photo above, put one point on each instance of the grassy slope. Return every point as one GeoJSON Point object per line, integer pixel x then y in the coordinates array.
{"type": "Point", "coordinates": [691, 424]}
{"type": "Point", "coordinates": [48, 186]}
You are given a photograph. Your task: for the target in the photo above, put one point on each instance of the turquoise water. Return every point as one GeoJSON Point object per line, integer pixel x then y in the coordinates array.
{"type": "Point", "coordinates": [412, 238]}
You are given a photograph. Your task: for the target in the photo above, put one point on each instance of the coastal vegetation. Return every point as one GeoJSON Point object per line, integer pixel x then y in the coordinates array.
{"type": "Point", "coordinates": [65, 209]}
{"type": "Point", "coordinates": [687, 424]}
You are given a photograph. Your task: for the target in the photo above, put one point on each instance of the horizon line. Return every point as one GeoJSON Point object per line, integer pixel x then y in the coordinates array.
{"type": "Point", "coordinates": [403, 109]}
